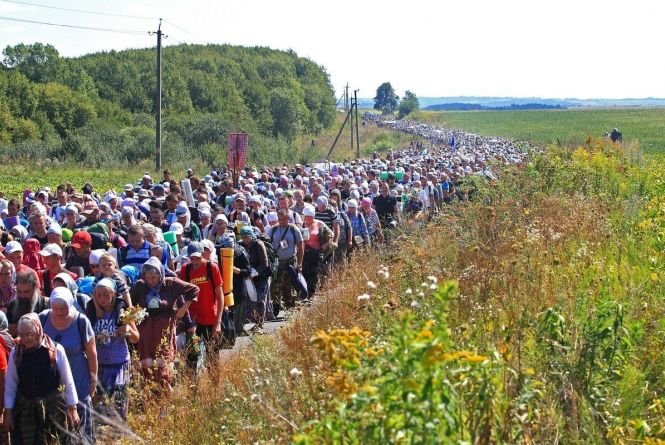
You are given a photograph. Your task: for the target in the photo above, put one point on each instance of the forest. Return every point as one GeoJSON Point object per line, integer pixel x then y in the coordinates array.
{"type": "Point", "coordinates": [98, 109]}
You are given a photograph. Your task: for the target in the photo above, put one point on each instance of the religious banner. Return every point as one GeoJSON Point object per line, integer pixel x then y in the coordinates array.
{"type": "Point", "coordinates": [237, 150]}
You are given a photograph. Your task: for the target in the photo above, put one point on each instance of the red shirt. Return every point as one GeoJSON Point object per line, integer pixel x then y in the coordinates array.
{"type": "Point", "coordinates": [204, 310]}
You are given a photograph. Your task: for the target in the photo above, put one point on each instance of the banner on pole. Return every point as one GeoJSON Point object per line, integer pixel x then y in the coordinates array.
{"type": "Point", "coordinates": [237, 150]}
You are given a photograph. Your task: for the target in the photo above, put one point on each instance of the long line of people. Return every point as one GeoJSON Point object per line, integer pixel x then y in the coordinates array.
{"type": "Point", "coordinates": [85, 278]}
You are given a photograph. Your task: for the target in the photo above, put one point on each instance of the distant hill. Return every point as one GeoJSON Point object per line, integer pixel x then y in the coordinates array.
{"type": "Point", "coordinates": [493, 102]}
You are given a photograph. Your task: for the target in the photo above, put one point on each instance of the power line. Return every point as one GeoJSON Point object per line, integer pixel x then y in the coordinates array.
{"type": "Point", "coordinates": [89, 28]}
{"type": "Point", "coordinates": [78, 10]}
{"type": "Point", "coordinates": [181, 29]}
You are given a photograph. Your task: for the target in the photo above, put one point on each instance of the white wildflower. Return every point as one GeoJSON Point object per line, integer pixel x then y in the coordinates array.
{"type": "Point", "coordinates": [408, 291]}
{"type": "Point", "coordinates": [421, 294]}
{"type": "Point", "coordinates": [254, 397]}
{"type": "Point", "coordinates": [363, 298]}
{"type": "Point", "coordinates": [371, 284]}
{"type": "Point", "coordinates": [433, 286]}
{"type": "Point", "coordinates": [433, 279]}
{"type": "Point", "coordinates": [295, 373]}
{"type": "Point", "coordinates": [415, 304]}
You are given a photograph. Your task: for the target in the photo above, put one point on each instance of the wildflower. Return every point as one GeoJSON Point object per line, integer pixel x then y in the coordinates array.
{"type": "Point", "coordinates": [408, 291]}
{"type": "Point", "coordinates": [254, 397]}
{"type": "Point", "coordinates": [400, 435]}
{"type": "Point", "coordinates": [433, 286]}
{"type": "Point", "coordinates": [433, 279]}
{"type": "Point", "coordinates": [371, 284]}
{"type": "Point", "coordinates": [295, 373]}
{"type": "Point", "coordinates": [415, 304]}
{"type": "Point", "coordinates": [423, 284]}
{"type": "Point", "coordinates": [421, 294]}
{"type": "Point", "coordinates": [363, 298]}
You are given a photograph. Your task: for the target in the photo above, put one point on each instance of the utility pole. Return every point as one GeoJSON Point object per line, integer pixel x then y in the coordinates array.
{"type": "Point", "coordinates": [355, 101]}
{"type": "Point", "coordinates": [158, 100]}
{"type": "Point", "coordinates": [346, 98]}
{"type": "Point", "coordinates": [351, 122]}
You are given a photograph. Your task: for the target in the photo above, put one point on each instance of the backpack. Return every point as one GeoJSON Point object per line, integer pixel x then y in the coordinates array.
{"type": "Point", "coordinates": [208, 273]}
{"type": "Point", "coordinates": [270, 252]}
{"type": "Point", "coordinates": [43, 318]}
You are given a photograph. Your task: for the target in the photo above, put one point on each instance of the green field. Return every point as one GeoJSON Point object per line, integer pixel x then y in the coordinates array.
{"type": "Point", "coordinates": [543, 127]}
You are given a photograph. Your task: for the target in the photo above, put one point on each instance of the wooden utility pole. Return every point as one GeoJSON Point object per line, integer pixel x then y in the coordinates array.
{"type": "Point", "coordinates": [355, 102]}
{"type": "Point", "coordinates": [158, 101]}
{"type": "Point", "coordinates": [346, 97]}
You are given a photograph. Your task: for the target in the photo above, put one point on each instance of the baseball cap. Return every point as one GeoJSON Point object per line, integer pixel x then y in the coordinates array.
{"type": "Point", "coordinates": [81, 238]}
{"type": "Point", "coordinates": [181, 210]}
{"type": "Point", "coordinates": [55, 228]}
{"type": "Point", "coordinates": [129, 187]}
{"type": "Point", "coordinates": [195, 249]}
{"type": "Point", "coordinates": [177, 228]}
{"type": "Point", "coordinates": [352, 203]}
{"type": "Point", "coordinates": [51, 249]}
{"type": "Point", "coordinates": [13, 246]}
{"type": "Point", "coordinates": [309, 211]}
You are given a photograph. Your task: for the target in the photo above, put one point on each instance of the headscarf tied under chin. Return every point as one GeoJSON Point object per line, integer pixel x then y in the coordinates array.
{"type": "Point", "coordinates": [32, 320]}
{"type": "Point", "coordinates": [63, 294]}
{"type": "Point", "coordinates": [153, 265]}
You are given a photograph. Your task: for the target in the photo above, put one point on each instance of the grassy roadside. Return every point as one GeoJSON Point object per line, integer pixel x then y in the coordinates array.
{"type": "Point", "coordinates": [552, 328]}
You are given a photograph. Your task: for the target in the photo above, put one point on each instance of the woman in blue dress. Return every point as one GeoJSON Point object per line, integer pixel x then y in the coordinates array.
{"type": "Point", "coordinates": [73, 331]}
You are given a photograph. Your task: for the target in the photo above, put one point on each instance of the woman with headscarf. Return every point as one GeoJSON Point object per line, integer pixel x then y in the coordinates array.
{"type": "Point", "coordinates": [80, 299]}
{"type": "Point", "coordinates": [260, 273]}
{"type": "Point", "coordinates": [166, 300]}
{"type": "Point", "coordinates": [31, 256]}
{"type": "Point", "coordinates": [19, 233]}
{"type": "Point", "coordinates": [7, 284]}
{"type": "Point", "coordinates": [36, 408]}
{"type": "Point", "coordinates": [372, 220]}
{"type": "Point", "coordinates": [317, 244]}
{"type": "Point", "coordinates": [71, 329]}
{"type": "Point", "coordinates": [111, 336]}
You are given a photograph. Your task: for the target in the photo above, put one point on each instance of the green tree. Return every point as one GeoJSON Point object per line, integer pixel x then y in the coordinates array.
{"type": "Point", "coordinates": [386, 100]}
{"type": "Point", "coordinates": [287, 111]}
{"type": "Point", "coordinates": [38, 62]}
{"type": "Point", "coordinates": [408, 104]}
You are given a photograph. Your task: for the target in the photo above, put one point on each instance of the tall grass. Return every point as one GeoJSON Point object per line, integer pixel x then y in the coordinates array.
{"type": "Point", "coordinates": [551, 330]}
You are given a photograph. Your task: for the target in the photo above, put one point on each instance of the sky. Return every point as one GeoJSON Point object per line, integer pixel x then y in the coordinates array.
{"type": "Point", "coordinates": [550, 49]}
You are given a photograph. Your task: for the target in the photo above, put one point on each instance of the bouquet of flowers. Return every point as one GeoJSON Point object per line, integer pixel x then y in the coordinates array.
{"type": "Point", "coordinates": [135, 313]}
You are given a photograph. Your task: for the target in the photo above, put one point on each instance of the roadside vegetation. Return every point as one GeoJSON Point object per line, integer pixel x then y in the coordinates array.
{"type": "Point", "coordinates": [534, 314]}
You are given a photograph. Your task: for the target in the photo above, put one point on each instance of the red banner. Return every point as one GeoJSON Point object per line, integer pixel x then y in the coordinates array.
{"type": "Point", "coordinates": [237, 150]}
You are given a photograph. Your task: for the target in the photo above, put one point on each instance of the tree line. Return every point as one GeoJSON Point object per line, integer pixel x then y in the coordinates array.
{"type": "Point", "coordinates": [100, 107]}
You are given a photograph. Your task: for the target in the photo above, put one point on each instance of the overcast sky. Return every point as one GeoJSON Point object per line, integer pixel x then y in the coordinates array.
{"type": "Point", "coordinates": [564, 48]}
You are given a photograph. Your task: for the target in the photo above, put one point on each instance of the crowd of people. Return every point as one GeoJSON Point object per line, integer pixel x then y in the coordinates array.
{"type": "Point", "coordinates": [88, 277]}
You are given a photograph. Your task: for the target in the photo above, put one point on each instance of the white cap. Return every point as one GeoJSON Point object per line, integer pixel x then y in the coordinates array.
{"type": "Point", "coordinates": [51, 249]}
{"type": "Point", "coordinates": [309, 210]}
{"type": "Point", "coordinates": [13, 246]}
{"type": "Point", "coordinates": [55, 228]}
{"type": "Point", "coordinates": [352, 203]}
{"type": "Point", "coordinates": [177, 228]}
